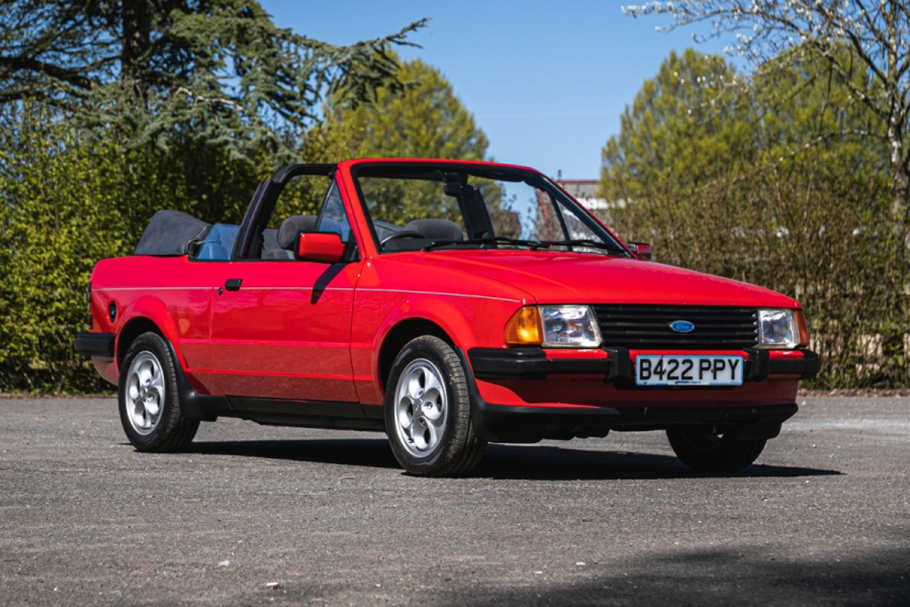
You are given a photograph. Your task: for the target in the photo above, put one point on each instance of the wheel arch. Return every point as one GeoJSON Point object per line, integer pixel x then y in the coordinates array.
{"type": "Point", "coordinates": [399, 335]}
{"type": "Point", "coordinates": [130, 331]}
{"type": "Point", "coordinates": [195, 406]}
{"type": "Point", "coordinates": [143, 315]}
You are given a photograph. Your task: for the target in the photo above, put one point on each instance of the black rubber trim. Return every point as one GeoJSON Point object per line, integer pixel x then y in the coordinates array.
{"type": "Point", "coordinates": [757, 365]}
{"type": "Point", "coordinates": [807, 368]}
{"type": "Point", "coordinates": [303, 408]}
{"type": "Point", "coordinates": [305, 414]}
{"type": "Point", "coordinates": [620, 365]}
{"type": "Point", "coordinates": [515, 363]}
{"type": "Point", "coordinates": [95, 344]}
{"type": "Point", "coordinates": [204, 407]}
{"type": "Point", "coordinates": [285, 174]}
{"type": "Point", "coordinates": [508, 424]}
{"type": "Point", "coordinates": [302, 421]}
{"type": "Point", "coordinates": [531, 363]}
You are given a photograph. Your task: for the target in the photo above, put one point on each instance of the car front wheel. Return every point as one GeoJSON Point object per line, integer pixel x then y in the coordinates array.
{"type": "Point", "coordinates": [148, 398]}
{"type": "Point", "coordinates": [707, 452]}
{"type": "Point", "coordinates": [428, 411]}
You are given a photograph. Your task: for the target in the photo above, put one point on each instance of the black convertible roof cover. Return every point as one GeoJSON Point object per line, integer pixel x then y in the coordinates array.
{"type": "Point", "coordinates": [170, 233]}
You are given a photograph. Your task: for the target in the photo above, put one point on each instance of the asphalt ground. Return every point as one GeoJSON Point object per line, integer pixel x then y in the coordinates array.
{"type": "Point", "coordinates": [255, 515]}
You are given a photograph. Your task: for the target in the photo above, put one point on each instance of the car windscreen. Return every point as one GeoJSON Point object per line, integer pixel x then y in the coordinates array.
{"type": "Point", "coordinates": [466, 206]}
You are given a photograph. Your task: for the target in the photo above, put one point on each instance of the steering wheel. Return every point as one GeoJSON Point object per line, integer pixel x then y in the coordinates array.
{"type": "Point", "coordinates": [402, 234]}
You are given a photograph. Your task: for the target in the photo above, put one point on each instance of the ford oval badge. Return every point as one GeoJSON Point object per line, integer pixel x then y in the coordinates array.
{"type": "Point", "coordinates": [682, 326]}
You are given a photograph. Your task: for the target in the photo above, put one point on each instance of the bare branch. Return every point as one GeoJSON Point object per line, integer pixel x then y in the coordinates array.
{"type": "Point", "coordinates": [875, 32]}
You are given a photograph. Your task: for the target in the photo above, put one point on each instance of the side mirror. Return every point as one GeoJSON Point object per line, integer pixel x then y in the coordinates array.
{"type": "Point", "coordinates": [641, 250]}
{"type": "Point", "coordinates": [326, 247]}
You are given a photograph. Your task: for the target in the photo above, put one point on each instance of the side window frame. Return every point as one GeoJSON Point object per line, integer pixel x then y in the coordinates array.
{"type": "Point", "coordinates": [333, 197]}
{"type": "Point", "coordinates": [263, 205]}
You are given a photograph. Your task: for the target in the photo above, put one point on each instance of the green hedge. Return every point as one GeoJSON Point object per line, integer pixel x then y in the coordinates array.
{"type": "Point", "coordinates": [813, 227]}
{"type": "Point", "coordinates": [65, 203]}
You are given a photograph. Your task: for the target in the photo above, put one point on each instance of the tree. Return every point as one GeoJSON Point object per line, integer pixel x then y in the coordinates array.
{"type": "Point", "coordinates": [698, 121]}
{"type": "Point", "coordinates": [426, 120]}
{"type": "Point", "coordinates": [218, 69]}
{"type": "Point", "coordinates": [877, 35]}
{"type": "Point", "coordinates": [683, 121]}
{"type": "Point", "coordinates": [746, 179]}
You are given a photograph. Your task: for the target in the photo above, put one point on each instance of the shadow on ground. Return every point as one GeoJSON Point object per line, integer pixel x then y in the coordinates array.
{"type": "Point", "coordinates": [518, 462]}
{"type": "Point", "coordinates": [719, 577]}
{"type": "Point", "coordinates": [545, 462]}
{"type": "Point", "coordinates": [370, 453]}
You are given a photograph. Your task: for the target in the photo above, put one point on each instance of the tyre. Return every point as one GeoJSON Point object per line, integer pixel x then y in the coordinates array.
{"type": "Point", "coordinates": [708, 452]}
{"type": "Point", "coordinates": [428, 411]}
{"type": "Point", "coordinates": [148, 398]}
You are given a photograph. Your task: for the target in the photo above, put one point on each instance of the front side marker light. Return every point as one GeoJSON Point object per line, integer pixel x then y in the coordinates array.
{"type": "Point", "coordinates": [523, 329]}
{"type": "Point", "coordinates": [803, 329]}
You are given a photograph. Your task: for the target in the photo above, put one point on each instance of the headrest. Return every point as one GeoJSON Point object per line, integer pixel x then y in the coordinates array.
{"type": "Point", "coordinates": [292, 226]}
{"type": "Point", "coordinates": [436, 230]}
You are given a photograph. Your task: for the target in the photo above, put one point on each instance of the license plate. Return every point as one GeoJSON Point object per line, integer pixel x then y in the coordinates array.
{"type": "Point", "coordinates": [689, 370]}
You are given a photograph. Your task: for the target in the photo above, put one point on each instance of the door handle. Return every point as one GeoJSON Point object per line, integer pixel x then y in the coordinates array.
{"type": "Point", "coordinates": [233, 284]}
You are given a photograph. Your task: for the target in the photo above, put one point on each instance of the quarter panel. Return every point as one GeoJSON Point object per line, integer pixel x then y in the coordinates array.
{"type": "Point", "coordinates": [173, 293]}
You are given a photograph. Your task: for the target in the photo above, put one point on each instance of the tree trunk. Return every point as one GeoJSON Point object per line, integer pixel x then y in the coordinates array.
{"type": "Point", "coordinates": [136, 23]}
{"type": "Point", "coordinates": [900, 177]}
{"type": "Point", "coordinates": [900, 192]}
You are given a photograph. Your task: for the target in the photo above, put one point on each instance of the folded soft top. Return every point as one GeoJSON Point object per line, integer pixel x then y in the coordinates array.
{"type": "Point", "coordinates": [170, 233]}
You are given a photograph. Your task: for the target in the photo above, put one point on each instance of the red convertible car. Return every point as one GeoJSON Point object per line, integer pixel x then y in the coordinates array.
{"type": "Point", "coordinates": [448, 304]}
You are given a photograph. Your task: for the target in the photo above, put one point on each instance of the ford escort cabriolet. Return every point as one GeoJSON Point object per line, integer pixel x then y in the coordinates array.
{"type": "Point", "coordinates": [446, 303]}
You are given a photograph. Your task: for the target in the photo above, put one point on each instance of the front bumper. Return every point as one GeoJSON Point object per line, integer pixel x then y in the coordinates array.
{"type": "Point", "coordinates": [589, 393]}
{"type": "Point", "coordinates": [615, 364]}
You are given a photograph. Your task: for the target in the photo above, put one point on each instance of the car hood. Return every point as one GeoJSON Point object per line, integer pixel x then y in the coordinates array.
{"type": "Point", "coordinates": [565, 277]}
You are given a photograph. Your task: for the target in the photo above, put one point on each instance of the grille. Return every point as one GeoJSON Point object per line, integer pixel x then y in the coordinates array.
{"type": "Point", "coordinates": [647, 327]}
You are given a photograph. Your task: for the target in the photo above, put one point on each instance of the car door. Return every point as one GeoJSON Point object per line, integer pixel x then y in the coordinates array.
{"type": "Point", "coordinates": [281, 328]}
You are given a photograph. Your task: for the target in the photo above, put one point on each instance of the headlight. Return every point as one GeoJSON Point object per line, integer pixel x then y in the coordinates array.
{"type": "Point", "coordinates": [569, 327]}
{"type": "Point", "coordinates": [781, 329]}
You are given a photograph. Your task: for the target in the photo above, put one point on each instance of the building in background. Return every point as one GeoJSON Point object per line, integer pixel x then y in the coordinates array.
{"type": "Point", "coordinates": [585, 192]}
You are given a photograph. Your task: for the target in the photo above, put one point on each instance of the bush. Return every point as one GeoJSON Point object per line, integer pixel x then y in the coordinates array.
{"type": "Point", "coordinates": [65, 203]}
{"type": "Point", "coordinates": [809, 227]}
{"type": "Point", "coordinates": [58, 216]}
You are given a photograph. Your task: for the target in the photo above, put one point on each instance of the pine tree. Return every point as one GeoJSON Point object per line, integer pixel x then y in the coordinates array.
{"type": "Point", "coordinates": [149, 70]}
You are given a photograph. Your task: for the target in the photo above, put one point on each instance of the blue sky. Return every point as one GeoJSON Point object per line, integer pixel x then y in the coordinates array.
{"type": "Point", "coordinates": [546, 81]}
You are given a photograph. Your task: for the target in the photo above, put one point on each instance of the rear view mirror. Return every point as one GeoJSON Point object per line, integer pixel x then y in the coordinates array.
{"type": "Point", "coordinates": [454, 184]}
{"type": "Point", "coordinates": [326, 247]}
{"type": "Point", "coordinates": [641, 250]}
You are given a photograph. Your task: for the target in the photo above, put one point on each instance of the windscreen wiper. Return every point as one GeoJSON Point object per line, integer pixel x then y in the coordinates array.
{"type": "Point", "coordinates": [579, 242]}
{"type": "Point", "coordinates": [497, 240]}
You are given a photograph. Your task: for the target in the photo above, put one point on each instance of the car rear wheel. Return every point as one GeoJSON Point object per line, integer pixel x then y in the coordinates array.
{"type": "Point", "coordinates": [148, 398]}
{"type": "Point", "coordinates": [709, 452]}
{"type": "Point", "coordinates": [428, 411]}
